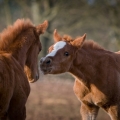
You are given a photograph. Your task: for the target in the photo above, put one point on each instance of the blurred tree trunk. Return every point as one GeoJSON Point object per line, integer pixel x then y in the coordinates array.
{"type": "Point", "coordinates": [111, 10]}
{"type": "Point", "coordinates": [7, 12]}
{"type": "Point", "coordinates": [35, 11]}
{"type": "Point", "coordinates": [36, 17]}
{"type": "Point", "coordinates": [43, 10]}
{"type": "Point", "coordinates": [25, 8]}
{"type": "Point", "coordinates": [115, 20]}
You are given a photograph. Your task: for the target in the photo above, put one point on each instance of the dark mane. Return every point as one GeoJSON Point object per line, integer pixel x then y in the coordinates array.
{"type": "Point", "coordinates": [90, 44]}
{"type": "Point", "coordinates": [11, 32]}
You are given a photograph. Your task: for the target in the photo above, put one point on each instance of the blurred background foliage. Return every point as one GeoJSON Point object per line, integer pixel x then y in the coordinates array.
{"type": "Point", "coordinates": [100, 19]}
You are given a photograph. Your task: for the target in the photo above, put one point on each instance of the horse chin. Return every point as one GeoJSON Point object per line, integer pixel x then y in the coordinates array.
{"type": "Point", "coordinates": [46, 71]}
{"type": "Point", "coordinates": [53, 71]}
{"type": "Point", "coordinates": [33, 80]}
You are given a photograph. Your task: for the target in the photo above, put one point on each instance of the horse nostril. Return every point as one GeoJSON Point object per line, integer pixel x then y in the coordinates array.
{"type": "Point", "coordinates": [48, 61]}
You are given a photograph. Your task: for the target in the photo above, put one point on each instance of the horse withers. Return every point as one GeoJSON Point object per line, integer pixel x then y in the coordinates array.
{"type": "Point", "coordinates": [19, 49]}
{"type": "Point", "coordinates": [96, 72]}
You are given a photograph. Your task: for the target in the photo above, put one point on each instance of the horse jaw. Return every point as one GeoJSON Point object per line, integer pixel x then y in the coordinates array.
{"type": "Point", "coordinates": [31, 78]}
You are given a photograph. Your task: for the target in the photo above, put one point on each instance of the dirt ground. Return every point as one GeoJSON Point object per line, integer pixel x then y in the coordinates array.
{"type": "Point", "coordinates": [52, 98]}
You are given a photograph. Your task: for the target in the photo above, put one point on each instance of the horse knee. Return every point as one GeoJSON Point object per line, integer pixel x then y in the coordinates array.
{"type": "Point", "coordinates": [88, 112]}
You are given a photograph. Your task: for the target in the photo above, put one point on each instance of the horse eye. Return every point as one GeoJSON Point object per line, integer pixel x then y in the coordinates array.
{"type": "Point", "coordinates": [66, 54]}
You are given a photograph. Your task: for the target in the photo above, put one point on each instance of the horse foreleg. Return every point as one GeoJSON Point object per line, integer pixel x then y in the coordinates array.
{"type": "Point", "coordinates": [17, 109]}
{"type": "Point", "coordinates": [88, 113]}
{"type": "Point", "coordinates": [17, 114]}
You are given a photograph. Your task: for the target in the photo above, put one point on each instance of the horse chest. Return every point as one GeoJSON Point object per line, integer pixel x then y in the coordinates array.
{"type": "Point", "coordinates": [94, 96]}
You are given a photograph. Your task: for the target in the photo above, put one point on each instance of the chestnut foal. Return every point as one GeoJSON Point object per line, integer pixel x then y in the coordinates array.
{"type": "Point", "coordinates": [96, 72]}
{"type": "Point", "coordinates": [19, 49]}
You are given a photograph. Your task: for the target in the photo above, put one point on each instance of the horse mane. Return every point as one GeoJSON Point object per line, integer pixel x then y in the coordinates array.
{"type": "Point", "coordinates": [90, 44]}
{"type": "Point", "coordinates": [9, 34]}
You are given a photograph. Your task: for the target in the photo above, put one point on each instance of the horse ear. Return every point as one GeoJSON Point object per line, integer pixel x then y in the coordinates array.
{"type": "Point", "coordinates": [41, 28]}
{"type": "Point", "coordinates": [79, 41]}
{"type": "Point", "coordinates": [57, 37]}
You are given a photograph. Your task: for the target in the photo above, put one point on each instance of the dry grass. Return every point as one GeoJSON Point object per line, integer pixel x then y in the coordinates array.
{"type": "Point", "coordinates": [53, 98]}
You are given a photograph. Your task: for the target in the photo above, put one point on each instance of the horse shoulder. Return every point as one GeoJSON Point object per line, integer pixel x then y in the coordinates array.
{"type": "Point", "coordinates": [80, 89]}
{"type": "Point", "coordinates": [12, 75]}
{"type": "Point", "coordinates": [20, 79]}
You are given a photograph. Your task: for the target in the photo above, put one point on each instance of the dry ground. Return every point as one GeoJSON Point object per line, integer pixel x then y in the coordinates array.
{"type": "Point", "coordinates": [52, 98]}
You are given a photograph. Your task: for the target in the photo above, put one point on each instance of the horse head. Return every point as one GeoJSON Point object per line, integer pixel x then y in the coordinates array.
{"type": "Point", "coordinates": [61, 54]}
{"type": "Point", "coordinates": [31, 64]}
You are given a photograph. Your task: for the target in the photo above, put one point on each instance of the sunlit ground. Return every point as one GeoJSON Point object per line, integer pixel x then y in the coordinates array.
{"type": "Point", "coordinates": [52, 98]}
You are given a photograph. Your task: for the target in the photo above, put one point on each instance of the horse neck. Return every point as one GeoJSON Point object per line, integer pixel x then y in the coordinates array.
{"type": "Point", "coordinates": [84, 65]}
{"type": "Point", "coordinates": [20, 55]}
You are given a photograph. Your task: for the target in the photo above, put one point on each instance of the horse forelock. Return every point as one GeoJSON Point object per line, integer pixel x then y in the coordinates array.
{"type": "Point", "coordinates": [11, 32]}
{"type": "Point", "coordinates": [67, 38]}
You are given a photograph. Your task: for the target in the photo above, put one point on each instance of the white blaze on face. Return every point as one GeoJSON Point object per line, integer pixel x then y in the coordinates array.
{"type": "Point", "coordinates": [56, 47]}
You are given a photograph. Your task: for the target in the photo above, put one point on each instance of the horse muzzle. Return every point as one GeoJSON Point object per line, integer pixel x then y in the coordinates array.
{"type": "Point", "coordinates": [34, 80]}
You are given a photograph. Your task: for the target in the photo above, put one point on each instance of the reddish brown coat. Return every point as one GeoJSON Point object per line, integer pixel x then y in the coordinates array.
{"type": "Point", "coordinates": [96, 72]}
{"type": "Point", "coordinates": [19, 48]}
